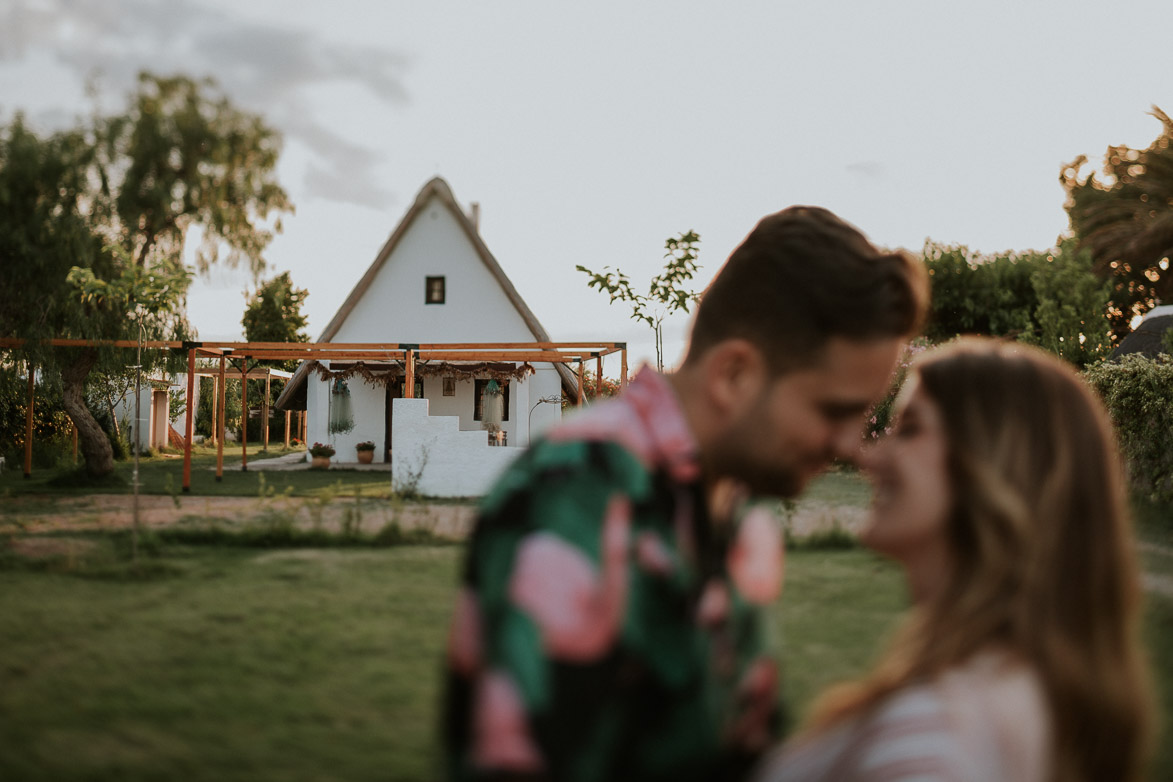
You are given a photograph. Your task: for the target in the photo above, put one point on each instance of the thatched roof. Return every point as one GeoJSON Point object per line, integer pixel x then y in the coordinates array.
{"type": "Point", "coordinates": [1149, 337]}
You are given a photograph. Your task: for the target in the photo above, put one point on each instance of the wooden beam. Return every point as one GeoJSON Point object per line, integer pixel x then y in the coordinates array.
{"type": "Point", "coordinates": [28, 423]}
{"type": "Point", "coordinates": [598, 375]}
{"type": "Point", "coordinates": [623, 369]}
{"type": "Point", "coordinates": [189, 427]}
{"type": "Point", "coordinates": [288, 414]}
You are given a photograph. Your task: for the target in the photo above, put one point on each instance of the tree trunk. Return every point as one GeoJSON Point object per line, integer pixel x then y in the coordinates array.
{"type": "Point", "coordinates": [95, 447]}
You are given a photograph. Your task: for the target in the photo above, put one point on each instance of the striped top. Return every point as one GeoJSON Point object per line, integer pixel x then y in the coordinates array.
{"type": "Point", "coordinates": [985, 720]}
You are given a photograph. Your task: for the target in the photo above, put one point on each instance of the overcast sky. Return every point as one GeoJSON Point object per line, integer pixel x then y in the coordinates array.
{"type": "Point", "coordinates": [590, 135]}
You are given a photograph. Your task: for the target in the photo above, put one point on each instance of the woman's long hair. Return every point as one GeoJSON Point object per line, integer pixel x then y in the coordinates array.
{"type": "Point", "coordinates": [1042, 552]}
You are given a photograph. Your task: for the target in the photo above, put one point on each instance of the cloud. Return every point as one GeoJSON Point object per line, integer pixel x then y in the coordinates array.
{"type": "Point", "coordinates": [867, 169]}
{"type": "Point", "coordinates": [265, 68]}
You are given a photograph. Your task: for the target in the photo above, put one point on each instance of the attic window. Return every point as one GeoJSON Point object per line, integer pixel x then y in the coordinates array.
{"type": "Point", "coordinates": [434, 290]}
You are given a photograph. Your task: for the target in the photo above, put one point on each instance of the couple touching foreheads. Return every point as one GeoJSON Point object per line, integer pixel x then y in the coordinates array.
{"type": "Point", "coordinates": [611, 622]}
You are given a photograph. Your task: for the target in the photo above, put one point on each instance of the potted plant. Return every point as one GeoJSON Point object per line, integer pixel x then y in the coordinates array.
{"type": "Point", "coordinates": [366, 451]}
{"type": "Point", "coordinates": [321, 454]}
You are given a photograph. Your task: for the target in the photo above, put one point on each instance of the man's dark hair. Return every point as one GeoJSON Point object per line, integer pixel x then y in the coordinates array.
{"type": "Point", "coordinates": [803, 276]}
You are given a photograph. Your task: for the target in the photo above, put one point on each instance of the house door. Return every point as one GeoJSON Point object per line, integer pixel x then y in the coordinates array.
{"type": "Point", "coordinates": [394, 391]}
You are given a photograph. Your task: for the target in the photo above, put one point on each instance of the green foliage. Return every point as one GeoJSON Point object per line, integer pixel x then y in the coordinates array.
{"type": "Point", "coordinates": [1126, 220]}
{"type": "Point", "coordinates": [666, 291]}
{"type": "Point", "coordinates": [273, 314]}
{"type": "Point", "coordinates": [976, 294]}
{"type": "Point", "coordinates": [52, 437]}
{"type": "Point", "coordinates": [1138, 393]}
{"type": "Point", "coordinates": [95, 220]}
{"type": "Point", "coordinates": [1052, 299]}
{"type": "Point", "coordinates": [1070, 318]}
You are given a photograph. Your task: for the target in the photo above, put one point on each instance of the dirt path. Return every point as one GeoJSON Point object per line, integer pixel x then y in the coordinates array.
{"type": "Point", "coordinates": [110, 512]}
{"type": "Point", "coordinates": [32, 515]}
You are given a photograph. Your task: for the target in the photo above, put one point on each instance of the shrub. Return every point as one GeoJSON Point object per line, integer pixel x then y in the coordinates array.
{"type": "Point", "coordinates": [1138, 393]}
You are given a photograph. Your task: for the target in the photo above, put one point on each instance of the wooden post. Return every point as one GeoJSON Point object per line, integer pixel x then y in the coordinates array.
{"type": "Point", "coordinates": [244, 414]}
{"type": "Point", "coordinates": [580, 382]}
{"type": "Point", "coordinates": [409, 375]}
{"type": "Point", "coordinates": [28, 424]}
{"type": "Point", "coordinates": [218, 424]}
{"type": "Point", "coordinates": [623, 368]}
{"type": "Point", "coordinates": [303, 425]}
{"type": "Point", "coordinates": [265, 412]}
{"type": "Point", "coordinates": [288, 415]}
{"type": "Point", "coordinates": [217, 381]}
{"type": "Point", "coordinates": [189, 427]}
{"type": "Point", "coordinates": [598, 374]}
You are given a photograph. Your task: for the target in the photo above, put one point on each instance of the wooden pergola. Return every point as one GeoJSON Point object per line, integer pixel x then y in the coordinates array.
{"type": "Point", "coordinates": [407, 354]}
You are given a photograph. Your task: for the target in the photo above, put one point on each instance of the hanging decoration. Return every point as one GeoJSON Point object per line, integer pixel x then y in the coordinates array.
{"type": "Point", "coordinates": [384, 374]}
{"type": "Point", "coordinates": [341, 415]}
{"type": "Point", "coordinates": [493, 406]}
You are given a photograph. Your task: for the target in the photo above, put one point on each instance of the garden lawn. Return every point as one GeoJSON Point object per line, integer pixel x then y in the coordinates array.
{"type": "Point", "coordinates": [163, 474]}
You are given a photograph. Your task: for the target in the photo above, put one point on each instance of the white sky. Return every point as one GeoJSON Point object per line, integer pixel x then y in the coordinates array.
{"type": "Point", "coordinates": [590, 136]}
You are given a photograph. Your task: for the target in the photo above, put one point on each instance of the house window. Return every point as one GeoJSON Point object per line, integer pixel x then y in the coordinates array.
{"type": "Point", "coordinates": [434, 290]}
{"type": "Point", "coordinates": [479, 396]}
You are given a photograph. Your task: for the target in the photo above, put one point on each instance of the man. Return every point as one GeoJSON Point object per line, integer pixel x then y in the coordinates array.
{"type": "Point", "coordinates": [609, 624]}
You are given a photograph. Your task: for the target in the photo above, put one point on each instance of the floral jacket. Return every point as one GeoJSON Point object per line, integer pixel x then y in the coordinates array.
{"type": "Point", "coordinates": [609, 626]}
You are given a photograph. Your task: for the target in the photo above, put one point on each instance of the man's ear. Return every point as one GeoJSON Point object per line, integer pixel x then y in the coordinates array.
{"type": "Point", "coordinates": [734, 376]}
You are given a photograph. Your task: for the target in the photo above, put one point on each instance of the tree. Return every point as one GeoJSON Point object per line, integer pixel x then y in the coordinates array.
{"type": "Point", "coordinates": [273, 314]}
{"type": "Point", "coordinates": [666, 291]}
{"type": "Point", "coordinates": [95, 220]}
{"type": "Point", "coordinates": [1126, 220]}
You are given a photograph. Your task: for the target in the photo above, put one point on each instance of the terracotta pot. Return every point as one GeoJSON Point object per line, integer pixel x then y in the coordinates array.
{"type": "Point", "coordinates": [366, 457]}
{"type": "Point", "coordinates": [320, 462]}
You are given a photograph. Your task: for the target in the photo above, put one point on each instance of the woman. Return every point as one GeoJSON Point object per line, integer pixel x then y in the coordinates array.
{"type": "Point", "coordinates": [1000, 494]}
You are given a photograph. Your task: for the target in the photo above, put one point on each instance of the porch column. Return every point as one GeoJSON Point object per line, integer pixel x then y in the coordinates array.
{"type": "Point", "coordinates": [28, 424]}
{"type": "Point", "coordinates": [244, 414]}
{"type": "Point", "coordinates": [598, 374]}
{"type": "Point", "coordinates": [288, 416]}
{"type": "Point", "coordinates": [581, 378]}
{"type": "Point", "coordinates": [189, 426]}
{"type": "Point", "coordinates": [218, 422]}
{"type": "Point", "coordinates": [623, 368]}
{"type": "Point", "coordinates": [265, 412]}
{"type": "Point", "coordinates": [409, 375]}
{"type": "Point", "coordinates": [216, 404]}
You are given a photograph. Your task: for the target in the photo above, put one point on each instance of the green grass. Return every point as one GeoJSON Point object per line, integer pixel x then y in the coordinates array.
{"type": "Point", "coordinates": [840, 486]}
{"type": "Point", "coordinates": [163, 474]}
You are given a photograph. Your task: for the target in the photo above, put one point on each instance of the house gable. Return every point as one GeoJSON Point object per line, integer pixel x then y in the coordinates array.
{"type": "Point", "coordinates": [434, 239]}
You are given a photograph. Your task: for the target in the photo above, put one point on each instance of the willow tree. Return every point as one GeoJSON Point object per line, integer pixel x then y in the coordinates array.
{"type": "Point", "coordinates": [133, 186]}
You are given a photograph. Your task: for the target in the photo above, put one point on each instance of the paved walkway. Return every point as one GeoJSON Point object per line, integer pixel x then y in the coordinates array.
{"type": "Point", "coordinates": [297, 461]}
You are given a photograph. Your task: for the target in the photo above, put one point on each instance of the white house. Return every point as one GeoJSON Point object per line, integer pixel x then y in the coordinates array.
{"type": "Point", "coordinates": [433, 281]}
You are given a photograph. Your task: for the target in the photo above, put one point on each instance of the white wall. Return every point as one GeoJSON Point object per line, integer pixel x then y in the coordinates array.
{"type": "Point", "coordinates": [393, 310]}
{"type": "Point", "coordinates": [432, 453]}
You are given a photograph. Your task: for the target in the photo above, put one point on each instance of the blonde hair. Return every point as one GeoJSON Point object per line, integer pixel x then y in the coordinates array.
{"type": "Point", "coordinates": [1043, 552]}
